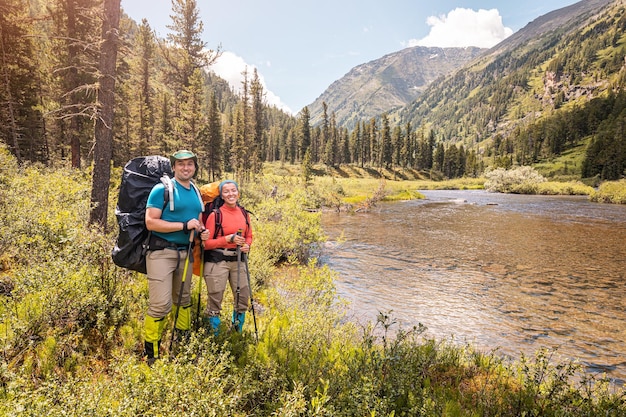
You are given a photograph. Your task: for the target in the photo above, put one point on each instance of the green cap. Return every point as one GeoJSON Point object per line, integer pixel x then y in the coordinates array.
{"type": "Point", "coordinates": [184, 154]}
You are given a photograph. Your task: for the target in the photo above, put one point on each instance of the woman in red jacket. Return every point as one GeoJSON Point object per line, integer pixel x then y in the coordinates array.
{"type": "Point", "coordinates": [230, 237]}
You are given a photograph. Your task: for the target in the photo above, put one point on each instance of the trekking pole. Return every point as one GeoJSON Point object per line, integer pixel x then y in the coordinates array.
{"type": "Point", "coordinates": [256, 332]}
{"type": "Point", "coordinates": [182, 285]}
{"type": "Point", "coordinates": [235, 315]}
{"type": "Point", "coordinates": [200, 285]}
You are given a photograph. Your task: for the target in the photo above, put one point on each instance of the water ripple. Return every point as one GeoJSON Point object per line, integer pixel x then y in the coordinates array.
{"type": "Point", "coordinates": [514, 272]}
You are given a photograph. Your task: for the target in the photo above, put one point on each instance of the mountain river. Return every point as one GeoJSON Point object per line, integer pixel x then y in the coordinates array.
{"type": "Point", "coordinates": [504, 272]}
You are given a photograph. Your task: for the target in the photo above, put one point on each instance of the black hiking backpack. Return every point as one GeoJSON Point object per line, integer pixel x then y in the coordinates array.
{"type": "Point", "coordinates": [139, 176]}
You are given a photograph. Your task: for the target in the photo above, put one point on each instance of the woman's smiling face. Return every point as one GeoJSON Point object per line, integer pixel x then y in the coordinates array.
{"type": "Point", "coordinates": [230, 194]}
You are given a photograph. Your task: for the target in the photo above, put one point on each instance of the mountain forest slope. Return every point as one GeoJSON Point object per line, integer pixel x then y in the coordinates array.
{"type": "Point", "coordinates": [547, 88]}
{"type": "Point", "coordinates": [554, 87]}
{"type": "Point", "coordinates": [523, 101]}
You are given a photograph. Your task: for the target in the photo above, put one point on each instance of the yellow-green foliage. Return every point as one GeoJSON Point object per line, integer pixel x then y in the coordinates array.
{"type": "Point", "coordinates": [563, 188]}
{"type": "Point", "coordinates": [404, 195]}
{"type": "Point", "coordinates": [286, 220]}
{"type": "Point", "coordinates": [566, 166]}
{"type": "Point", "coordinates": [71, 342]}
{"type": "Point", "coordinates": [610, 192]}
{"type": "Point", "coordinates": [339, 192]}
{"type": "Point", "coordinates": [454, 184]}
{"type": "Point", "coordinates": [63, 287]}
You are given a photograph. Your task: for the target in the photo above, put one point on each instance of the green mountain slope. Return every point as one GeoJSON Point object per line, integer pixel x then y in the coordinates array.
{"type": "Point", "coordinates": [562, 59]}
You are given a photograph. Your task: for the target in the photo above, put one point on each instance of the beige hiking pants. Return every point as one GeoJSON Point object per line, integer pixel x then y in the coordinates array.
{"type": "Point", "coordinates": [165, 271]}
{"type": "Point", "coordinates": [216, 275]}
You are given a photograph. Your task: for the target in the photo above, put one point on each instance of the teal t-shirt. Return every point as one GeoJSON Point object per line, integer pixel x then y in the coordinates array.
{"type": "Point", "coordinates": [187, 206]}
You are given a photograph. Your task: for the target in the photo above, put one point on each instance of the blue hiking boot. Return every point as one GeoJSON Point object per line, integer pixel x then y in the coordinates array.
{"type": "Point", "coordinates": [238, 319]}
{"type": "Point", "coordinates": [214, 324]}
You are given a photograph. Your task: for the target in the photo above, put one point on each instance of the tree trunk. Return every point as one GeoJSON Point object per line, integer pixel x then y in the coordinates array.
{"type": "Point", "coordinates": [103, 150]}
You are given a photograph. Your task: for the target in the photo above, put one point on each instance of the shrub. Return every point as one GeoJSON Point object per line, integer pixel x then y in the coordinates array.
{"type": "Point", "coordinates": [563, 188]}
{"type": "Point", "coordinates": [521, 180]}
{"type": "Point", "coordinates": [69, 320]}
{"type": "Point", "coordinates": [610, 192]}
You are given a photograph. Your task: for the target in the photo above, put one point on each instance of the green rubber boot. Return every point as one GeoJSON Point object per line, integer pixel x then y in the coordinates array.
{"type": "Point", "coordinates": [153, 329]}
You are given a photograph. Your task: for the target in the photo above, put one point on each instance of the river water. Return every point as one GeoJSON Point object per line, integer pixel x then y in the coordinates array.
{"type": "Point", "coordinates": [514, 273]}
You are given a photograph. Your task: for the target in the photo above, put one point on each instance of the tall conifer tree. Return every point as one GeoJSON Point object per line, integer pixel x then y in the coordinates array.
{"type": "Point", "coordinates": [103, 150]}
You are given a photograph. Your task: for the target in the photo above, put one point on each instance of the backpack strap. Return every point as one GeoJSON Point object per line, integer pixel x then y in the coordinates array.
{"type": "Point", "coordinates": [218, 223]}
{"type": "Point", "coordinates": [168, 193]}
{"type": "Point", "coordinates": [195, 187]}
{"type": "Point", "coordinates": [218, 220]}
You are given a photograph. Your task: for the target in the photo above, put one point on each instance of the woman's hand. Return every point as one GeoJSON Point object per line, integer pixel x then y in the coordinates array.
{"type": "Point", "coordinates": [238, 239]}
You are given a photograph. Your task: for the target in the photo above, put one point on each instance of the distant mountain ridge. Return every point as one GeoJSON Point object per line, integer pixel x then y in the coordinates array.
{"type": "Point", "coordinates": [532, 72]}
{"type": "Point", "coordinates": [566, 18]}
{"type": "Point", "coordinates": [389, 82]}
{"type": "Point", "coordinates": [395, 83]}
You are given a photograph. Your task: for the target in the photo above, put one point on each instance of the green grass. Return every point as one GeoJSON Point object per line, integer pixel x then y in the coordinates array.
{"type": "Point", "coordinates": [566, 167]}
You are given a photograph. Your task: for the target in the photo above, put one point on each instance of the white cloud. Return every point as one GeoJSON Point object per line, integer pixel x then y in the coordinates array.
{"type": "Point", "coordinates": [230, 67]}
{"type": "Point", "coordinates": [465, 27]}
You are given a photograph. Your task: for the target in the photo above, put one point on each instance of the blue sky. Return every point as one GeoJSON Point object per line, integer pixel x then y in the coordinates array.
{"type": "Point", "coordinates": [301, 47]}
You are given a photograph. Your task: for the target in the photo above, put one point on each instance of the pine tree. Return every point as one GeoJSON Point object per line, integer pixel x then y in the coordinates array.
{"type": "Point", "coordinates": [438, 157]}
{"type": "Point", "coordinates": [258, 144]}
{"type": "Point", "coordinates": [365, 144]}
{"type": "Point", "coordinates": [344, 146]}
{"type": "Point", "coordinates": [213, 141]}
{"type": "Point", "coordinates": [193, 109]}
{"type": "Point", "coordinates": [330, 142]}
{"type": "Point", "coordinates": [304, 137]}
{"type": "Point", "coordinates": [104, 117]}
{"type": "Point", "coordinates": [143, 72]}
{"type": "Point", "coordinates": [76, 26]}
{"type": "Point", "coordinates": [187, 51]}
{"type": "Point", "coordinates": [20, 123]}
{"type": "Point", "coordinates": [374, 147]}
{"type": "Point", "coordinates": [406, 149]}
{"type": "Point", "coordinates": [386, 157]}
{"type": "Point", "coordinates": [356, 144]}
{"type": "Point", "coordinates": [397, 141]}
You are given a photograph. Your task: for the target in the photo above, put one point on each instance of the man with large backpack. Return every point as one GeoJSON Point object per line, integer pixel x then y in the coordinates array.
{"type": "Point", "coordinates": [172, 227]}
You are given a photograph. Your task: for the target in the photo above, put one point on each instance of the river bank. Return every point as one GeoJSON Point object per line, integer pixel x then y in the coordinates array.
{"type": "Point", "coordinates": [513, 272]}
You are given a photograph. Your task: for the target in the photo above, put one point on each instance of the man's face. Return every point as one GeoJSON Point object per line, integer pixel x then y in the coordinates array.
{"type": "Point", "coordinates": [184, 169]}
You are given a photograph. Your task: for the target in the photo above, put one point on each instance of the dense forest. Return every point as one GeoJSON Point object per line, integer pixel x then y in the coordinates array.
{"type": "Point", "coordinates": [527, 105]}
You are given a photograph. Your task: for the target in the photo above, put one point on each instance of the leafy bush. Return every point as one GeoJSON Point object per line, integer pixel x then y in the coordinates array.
{"type": "Point", "coordinates": [521, 180]}
{"type": "Point", "coordinates": [65, 294]}
{"type": "Point", "coordinates": [563, 188]}
{"type": "Point", "coordinates": [286, 227]}
{"type": "Point", "coordinates": [610, 192]}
